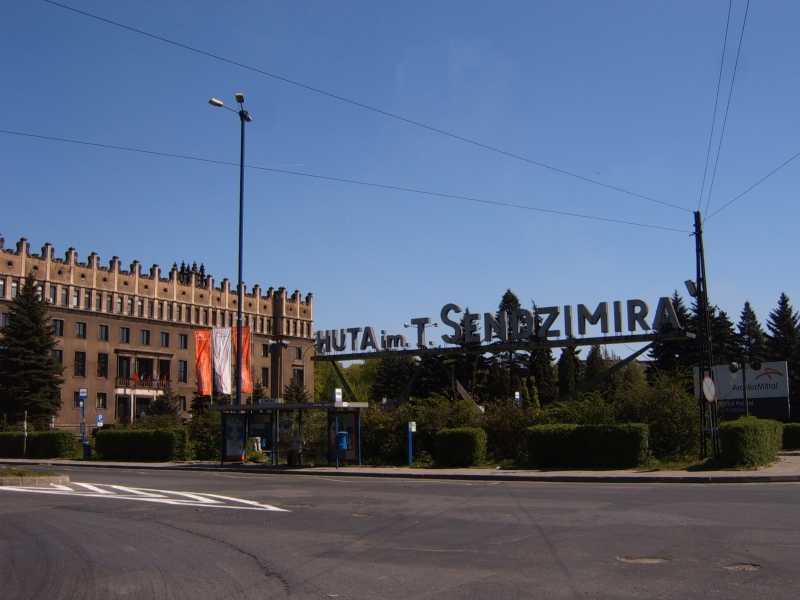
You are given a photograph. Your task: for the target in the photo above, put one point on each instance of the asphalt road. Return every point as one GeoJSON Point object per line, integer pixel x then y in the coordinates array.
{"type": "Point", "coordinates": [351, 538]}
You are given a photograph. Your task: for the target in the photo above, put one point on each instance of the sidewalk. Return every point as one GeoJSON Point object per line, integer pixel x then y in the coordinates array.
{"type": "Point", "coordinates": [787, 469]}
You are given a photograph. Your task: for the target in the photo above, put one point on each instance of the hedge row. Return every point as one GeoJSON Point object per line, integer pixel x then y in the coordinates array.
{"type": "Point", "coordinates": [460, 447]}
{"type": "Point", "coordinates": [41, 444]}
{"type": "Point", "coordinates": [617, 446]}
{"type": "Point", "coordinates": [791, 436]}
{"type": "Point", "coordinates": [141, 444]}
{"type": "Point", "coordinates": [750, 441]}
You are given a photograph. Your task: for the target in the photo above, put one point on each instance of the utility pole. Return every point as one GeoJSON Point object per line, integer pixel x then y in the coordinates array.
{"type": "Point", "coordinates": [709, 411]}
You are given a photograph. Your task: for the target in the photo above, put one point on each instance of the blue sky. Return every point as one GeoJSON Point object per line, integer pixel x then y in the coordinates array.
{"type": "Point", "coordinates": [618, 91]}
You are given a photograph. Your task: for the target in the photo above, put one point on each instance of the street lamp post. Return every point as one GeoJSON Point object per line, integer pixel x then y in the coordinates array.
{"type": "Point", "coordinates": [244, 117]}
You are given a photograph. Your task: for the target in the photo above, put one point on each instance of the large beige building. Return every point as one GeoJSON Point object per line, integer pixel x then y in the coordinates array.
{"type": "Point", "coordinates": [125, 336]}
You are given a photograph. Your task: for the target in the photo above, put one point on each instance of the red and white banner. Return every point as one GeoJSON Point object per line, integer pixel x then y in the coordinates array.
{"type": "Point", "coordinates": [247, 380]}
{"type": "Point", "coordinates": [202, 353]}
{"type": "Point", "coordinates": [222, 359]}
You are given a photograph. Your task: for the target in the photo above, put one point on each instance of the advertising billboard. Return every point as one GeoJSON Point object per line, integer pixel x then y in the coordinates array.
{"type": "Point", "coordinates": [767, 389]}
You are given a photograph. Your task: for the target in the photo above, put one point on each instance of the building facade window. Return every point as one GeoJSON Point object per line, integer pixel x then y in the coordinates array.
{"type": "Point", "coordinates": [75, 298]}
{"type": "Point", "coordinates": [130, 305]}
{"type": "Point", "coordinates": [151, 309]}
{"type": "Point", "coordinates": [102, 400]}
{"type": "Point", "coordinates": [64, 296]}
{"type": "Point", "coordinates": [5, 319]}
{"type": "Point", "coordinates": [58, 327]}
{"type": "Point", "coordinates": [182, 402]}
{"type": "Point", "coordinates": [53, 294]}
{"type": "Point", "coordinates": [80, 330]}
{"type": "Point", "coordinates": [102, 333]}
{"type": "Point", "coordinates": [98, 305]}
{"type": "Point", "coordinates": [2, 287]}
{"type": "Point", "coordinates": [298, 353]}
{"type": "Point", "coordinates": [164, 339]}
{"type": "Point", "coordinates": [145, 337]}
{"type": "Point", "coordinates": [110, 303]}
{"type": "Point", "coordinates": [58, 356]}
{"type": "Point", "coordinates": [183, 371]}
{"type": "Point", "coordinates": [265, 376]}
{"type": "Point", "coordinates": [14, 288]}
{"type": "Point", "coordinates": [80, 364]}
{"type": "Point", "coordinates": [170, 311]}
{"type": "Point", "coordinates": [264, 349]}
{"type": "Point", "coordinates": [102, 364]}
{"type": "Point", "coordinates": [87, 299]}
{"type": "Point", "coordinates": [140, 307]}
{"type": "Point", "coordinates": [76, 399]}
{"type": "Point", "coordinates": [125, 335]}
{"type": "Point", "coordinates": [187, 313]}
{"type": "Point", "coordinates": [298, 376]}
{"type": "Point", "coordinates": [183, 341]}
{"type": "Point", "coordinates": [118, 308]}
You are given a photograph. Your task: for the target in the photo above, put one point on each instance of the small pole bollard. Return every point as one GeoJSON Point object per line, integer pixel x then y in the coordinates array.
{"type": "Point", "coordinates": [412, 427]}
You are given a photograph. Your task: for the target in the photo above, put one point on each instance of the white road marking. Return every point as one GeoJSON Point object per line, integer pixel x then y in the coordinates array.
{"type": "Point", "coordinates": [250, 502]}
{"type": "Point", "coordinates": [92, 488]}
{"type": "Point", "coordinates": [190, 495]}
{"type": "Point", "coordinates": [135, 491]}
{"type": "Point", "coordinates": [170, 497]}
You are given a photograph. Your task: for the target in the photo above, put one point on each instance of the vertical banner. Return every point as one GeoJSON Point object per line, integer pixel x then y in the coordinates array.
{"type": "Point", "coordinates": [222, 359]}
{"type": "Point", "coordinates": [247, 380]}
{"type": "Point", "coordinates": [202, 353]}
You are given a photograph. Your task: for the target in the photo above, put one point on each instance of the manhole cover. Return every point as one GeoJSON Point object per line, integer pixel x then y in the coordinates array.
{"type": "Point", "coordinates": [743, 567]}
{"type": "Point", "coordinates": [642, 560]}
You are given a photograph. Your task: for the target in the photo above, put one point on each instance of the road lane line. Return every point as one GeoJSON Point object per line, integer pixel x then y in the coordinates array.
{"type": "Point", "coordinates": [63, 488]}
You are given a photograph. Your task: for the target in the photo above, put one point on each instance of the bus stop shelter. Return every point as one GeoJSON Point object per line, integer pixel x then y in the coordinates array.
{"type": "Point", "coordinates": [263, 421]}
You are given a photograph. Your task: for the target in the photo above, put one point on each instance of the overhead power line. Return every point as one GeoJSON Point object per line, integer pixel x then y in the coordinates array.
{"type": "Point", "coordinates": [755, 184]}
{"type": "Point", "coordinates": [368, 107]}
{"type": "Point", "coordinates": [346, 180]}
{"type": "Point", "coordinates": [727, 107]}
{"type": "Point", "coordinates": [716, 101]}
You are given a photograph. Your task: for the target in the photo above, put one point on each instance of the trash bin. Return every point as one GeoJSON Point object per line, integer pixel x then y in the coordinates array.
{"type": "Point", "coordinates": [87, 451]}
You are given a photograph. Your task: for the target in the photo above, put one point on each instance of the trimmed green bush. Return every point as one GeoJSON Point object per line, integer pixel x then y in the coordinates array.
{"type": "Point", "coordinates": [791, 436]}
{"type": "Point", "coordinates": [612, 446]}
{"type": "Point", "coordinates": [141, 444]}
{"type": "Point", "coordinates": [750, 441]}
{"type": "Point", "coordinates": [460, 447]}
{"type": "Point", "coordinates": [41, 444]}
{"type": "Point", "coordinates": [11, 444]}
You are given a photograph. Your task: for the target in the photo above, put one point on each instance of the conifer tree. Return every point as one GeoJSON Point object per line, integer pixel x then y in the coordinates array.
{"type": "Point", "coordinates": [540, 367]}
{"type": "Point", "coordinates": [675, 356]}
{"type": "Point", "coordinates": [751, 336]}
{"type": "Point", "coordinates": [30, 375]}
{"type": "Point", "coordinates": [568, 373]}
{"type": "Point", "coordinates": [596, 363]}
{"type": "Point", "coordinates": [782, 340]}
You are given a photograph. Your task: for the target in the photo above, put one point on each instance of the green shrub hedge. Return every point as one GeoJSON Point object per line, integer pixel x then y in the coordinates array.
{"type": "Point", "coordinates": [41, 444]}
{"type": "Point", "coordinates": [750, 441]}
{"type": "Point", "coordinates": [460, 447]}
{"type": "Point", "coordinates": [791, 436]}
{"type": "Point", "coordinates": [141, 444]}
{"type": "Point", "coordinates": [618, 446]}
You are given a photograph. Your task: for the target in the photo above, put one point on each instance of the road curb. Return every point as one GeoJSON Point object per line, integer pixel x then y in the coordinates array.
{"type": "Point", "coordinates": [754, 478]}
{"type": "Point", "coordinates": [43, 481]}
